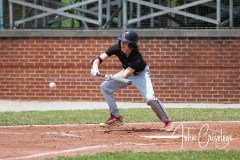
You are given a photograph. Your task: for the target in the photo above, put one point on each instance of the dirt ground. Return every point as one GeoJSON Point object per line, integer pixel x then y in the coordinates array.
{"type": "Point", "coordinates": [39, 142]}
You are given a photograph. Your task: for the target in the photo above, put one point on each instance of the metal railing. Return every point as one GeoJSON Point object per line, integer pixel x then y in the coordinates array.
{"type": "Point", "coordinates": [49, 11]}
{"type": "Point", "coordinates": [127, 13]}
{"type": "Point", "coordinates": [166, 10]}
{"type": "Point", "coordinates": [1, 14]}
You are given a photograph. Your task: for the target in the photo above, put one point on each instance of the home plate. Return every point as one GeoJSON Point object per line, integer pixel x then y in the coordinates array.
{"type": "Point", "coordinates": [164, 137]}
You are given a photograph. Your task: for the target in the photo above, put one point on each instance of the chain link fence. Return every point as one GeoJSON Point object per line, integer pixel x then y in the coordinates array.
{"type": "Point", "coordinates": [115, 14]}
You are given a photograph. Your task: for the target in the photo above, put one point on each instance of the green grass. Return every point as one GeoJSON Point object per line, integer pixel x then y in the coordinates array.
{"type": "Point", "coordinates": [130, 115]}
{"type": "Point", "coordinates": [184, 155]}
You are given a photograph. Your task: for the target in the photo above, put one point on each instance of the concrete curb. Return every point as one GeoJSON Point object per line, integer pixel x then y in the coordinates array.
{"type": "Point", "coordinates": [18, 106]}
{"type": "Point", "coordinates": [115, 33]}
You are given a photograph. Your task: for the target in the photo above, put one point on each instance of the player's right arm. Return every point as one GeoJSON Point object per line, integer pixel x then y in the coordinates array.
{"type": "Point", "coordinates": [96, 62]}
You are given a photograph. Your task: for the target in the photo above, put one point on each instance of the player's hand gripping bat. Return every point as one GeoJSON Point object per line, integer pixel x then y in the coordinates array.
{"type": "Point", "coordinates": [122, 80]}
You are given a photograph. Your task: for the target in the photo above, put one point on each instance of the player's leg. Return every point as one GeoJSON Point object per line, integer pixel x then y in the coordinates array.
{"type": "Point", "coordinates": [143, 83]}
{"type": "Point", "coordinates": [108, 89]}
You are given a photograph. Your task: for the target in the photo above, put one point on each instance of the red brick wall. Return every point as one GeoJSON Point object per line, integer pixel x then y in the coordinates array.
{"type": "Point", "coordinates": [183, 69]}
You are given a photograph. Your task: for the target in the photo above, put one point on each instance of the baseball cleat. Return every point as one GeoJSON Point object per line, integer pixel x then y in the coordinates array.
{"type": "Point", "coordinates": [169, 126]}
{"type": "Point", "coordinates": [112, 122]}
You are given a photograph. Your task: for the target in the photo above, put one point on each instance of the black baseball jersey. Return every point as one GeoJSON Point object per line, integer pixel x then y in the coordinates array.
{"type": "Point", "coordinates": [134, 60]}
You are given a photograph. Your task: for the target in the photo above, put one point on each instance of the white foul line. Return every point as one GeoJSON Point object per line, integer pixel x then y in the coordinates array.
{"type": "Point", "coordinates": [77, 150]}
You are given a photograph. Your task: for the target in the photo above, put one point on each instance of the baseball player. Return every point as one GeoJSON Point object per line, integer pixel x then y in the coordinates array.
{"type": "Point", "coordinates": [134, 69]}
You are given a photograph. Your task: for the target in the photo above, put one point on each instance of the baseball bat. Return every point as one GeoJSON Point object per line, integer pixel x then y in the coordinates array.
{"type": "Point", "coordinates": [122, 80]}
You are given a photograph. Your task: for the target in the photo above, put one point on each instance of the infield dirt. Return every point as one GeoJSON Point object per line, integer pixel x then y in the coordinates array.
{"type": "Point", "coordinates": [39, 142]}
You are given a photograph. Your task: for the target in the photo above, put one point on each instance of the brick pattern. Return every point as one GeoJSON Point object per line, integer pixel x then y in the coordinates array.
{"type": "Point", "coordinates": [192, 70]}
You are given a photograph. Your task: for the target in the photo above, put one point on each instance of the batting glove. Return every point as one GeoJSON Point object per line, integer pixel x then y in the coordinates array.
{"type": "Point", "coordinates": [94, 70]}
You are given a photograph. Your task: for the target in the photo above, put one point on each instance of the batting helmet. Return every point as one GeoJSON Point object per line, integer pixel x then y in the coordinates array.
{"type": "Point", "coordinates": [129, 36]}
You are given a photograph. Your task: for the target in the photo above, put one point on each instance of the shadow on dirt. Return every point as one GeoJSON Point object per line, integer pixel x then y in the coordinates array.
{"type": "Point", "coordinates": [134, 130]}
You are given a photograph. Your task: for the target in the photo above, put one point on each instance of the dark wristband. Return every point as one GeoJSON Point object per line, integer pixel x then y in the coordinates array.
{"type": "Point", "coordinates": [99, 58]}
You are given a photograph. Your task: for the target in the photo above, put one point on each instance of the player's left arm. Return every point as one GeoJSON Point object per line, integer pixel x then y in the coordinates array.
{"type": "Point", "coordinates": [127, 72]}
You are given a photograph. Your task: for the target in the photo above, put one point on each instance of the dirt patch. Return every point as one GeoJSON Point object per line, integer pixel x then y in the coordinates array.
{"type": "Point", "coordinates": [39, 142]}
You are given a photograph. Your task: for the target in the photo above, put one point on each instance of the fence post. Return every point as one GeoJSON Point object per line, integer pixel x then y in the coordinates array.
{"type": "Point", "coordinates": [230, 13]}
{"type": "Point", "coordinates": [1, 15]}
{"type": "Point", "coordinates": [11, 15]}
{"type": "Point", "coordinates": [152, 19]}
{"type": "Point", "coordinates": [100, 13]}
{"type": "Point", "coordinates": [108, 8]}
{"type": "Point", "coordinates": [218, 14]}
{"type": "Point", "coordinates": [119, 14]}
{"type": "Point", "coordinates": [138, 14]}
{"type": "Point", "coordinates": [124, 14]}
{"type": "Point", "coordinates": [35, 13]}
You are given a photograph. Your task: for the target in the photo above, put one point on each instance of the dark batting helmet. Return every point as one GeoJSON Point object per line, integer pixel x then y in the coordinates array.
{"type": "Point", "coordinates": [129, 36]}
